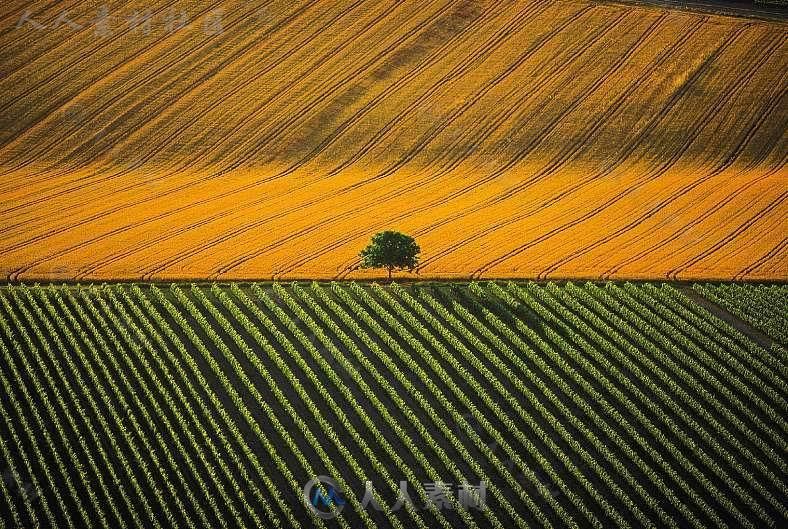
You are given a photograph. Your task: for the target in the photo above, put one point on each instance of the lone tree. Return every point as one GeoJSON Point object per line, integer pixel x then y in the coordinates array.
{"type": "Point", "coordinates": [391, 250]}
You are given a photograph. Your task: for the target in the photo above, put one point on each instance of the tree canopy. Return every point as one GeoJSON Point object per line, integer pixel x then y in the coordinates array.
{"type": "Point", "coordinates": [391, 250]}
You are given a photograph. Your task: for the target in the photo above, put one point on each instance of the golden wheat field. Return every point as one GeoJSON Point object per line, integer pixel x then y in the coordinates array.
{"type": "Point", "coordinates": [270, 139]}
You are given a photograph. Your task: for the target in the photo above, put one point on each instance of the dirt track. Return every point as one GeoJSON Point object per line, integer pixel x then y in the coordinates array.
{"type": "Point", "coordinates": [767, 10]}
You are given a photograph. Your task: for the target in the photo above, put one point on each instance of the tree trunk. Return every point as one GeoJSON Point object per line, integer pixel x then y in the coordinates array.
{"type": "Point", "coordinates": [389, 269]}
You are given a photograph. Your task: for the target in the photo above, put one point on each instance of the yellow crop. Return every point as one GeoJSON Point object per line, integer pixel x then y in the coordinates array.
{"type": "Point", "coordinates": [510, 138]}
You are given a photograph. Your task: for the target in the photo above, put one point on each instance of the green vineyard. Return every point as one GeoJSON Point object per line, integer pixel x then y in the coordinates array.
{"type": "Point", "coordinates": [507, 405]}
{"type": "Point", "coordinates": [762, 306]}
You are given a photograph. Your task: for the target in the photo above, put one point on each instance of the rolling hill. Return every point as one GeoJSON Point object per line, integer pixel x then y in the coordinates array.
{"type": "Point", "coordinates": [235, 140]}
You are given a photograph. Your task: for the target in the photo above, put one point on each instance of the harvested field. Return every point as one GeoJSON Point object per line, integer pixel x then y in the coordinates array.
{"type": "Point", "coordinates": [512, 139]}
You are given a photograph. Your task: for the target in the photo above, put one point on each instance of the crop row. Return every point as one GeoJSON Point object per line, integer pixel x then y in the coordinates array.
{"type": "Point", "coordinates": [578, 406]}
